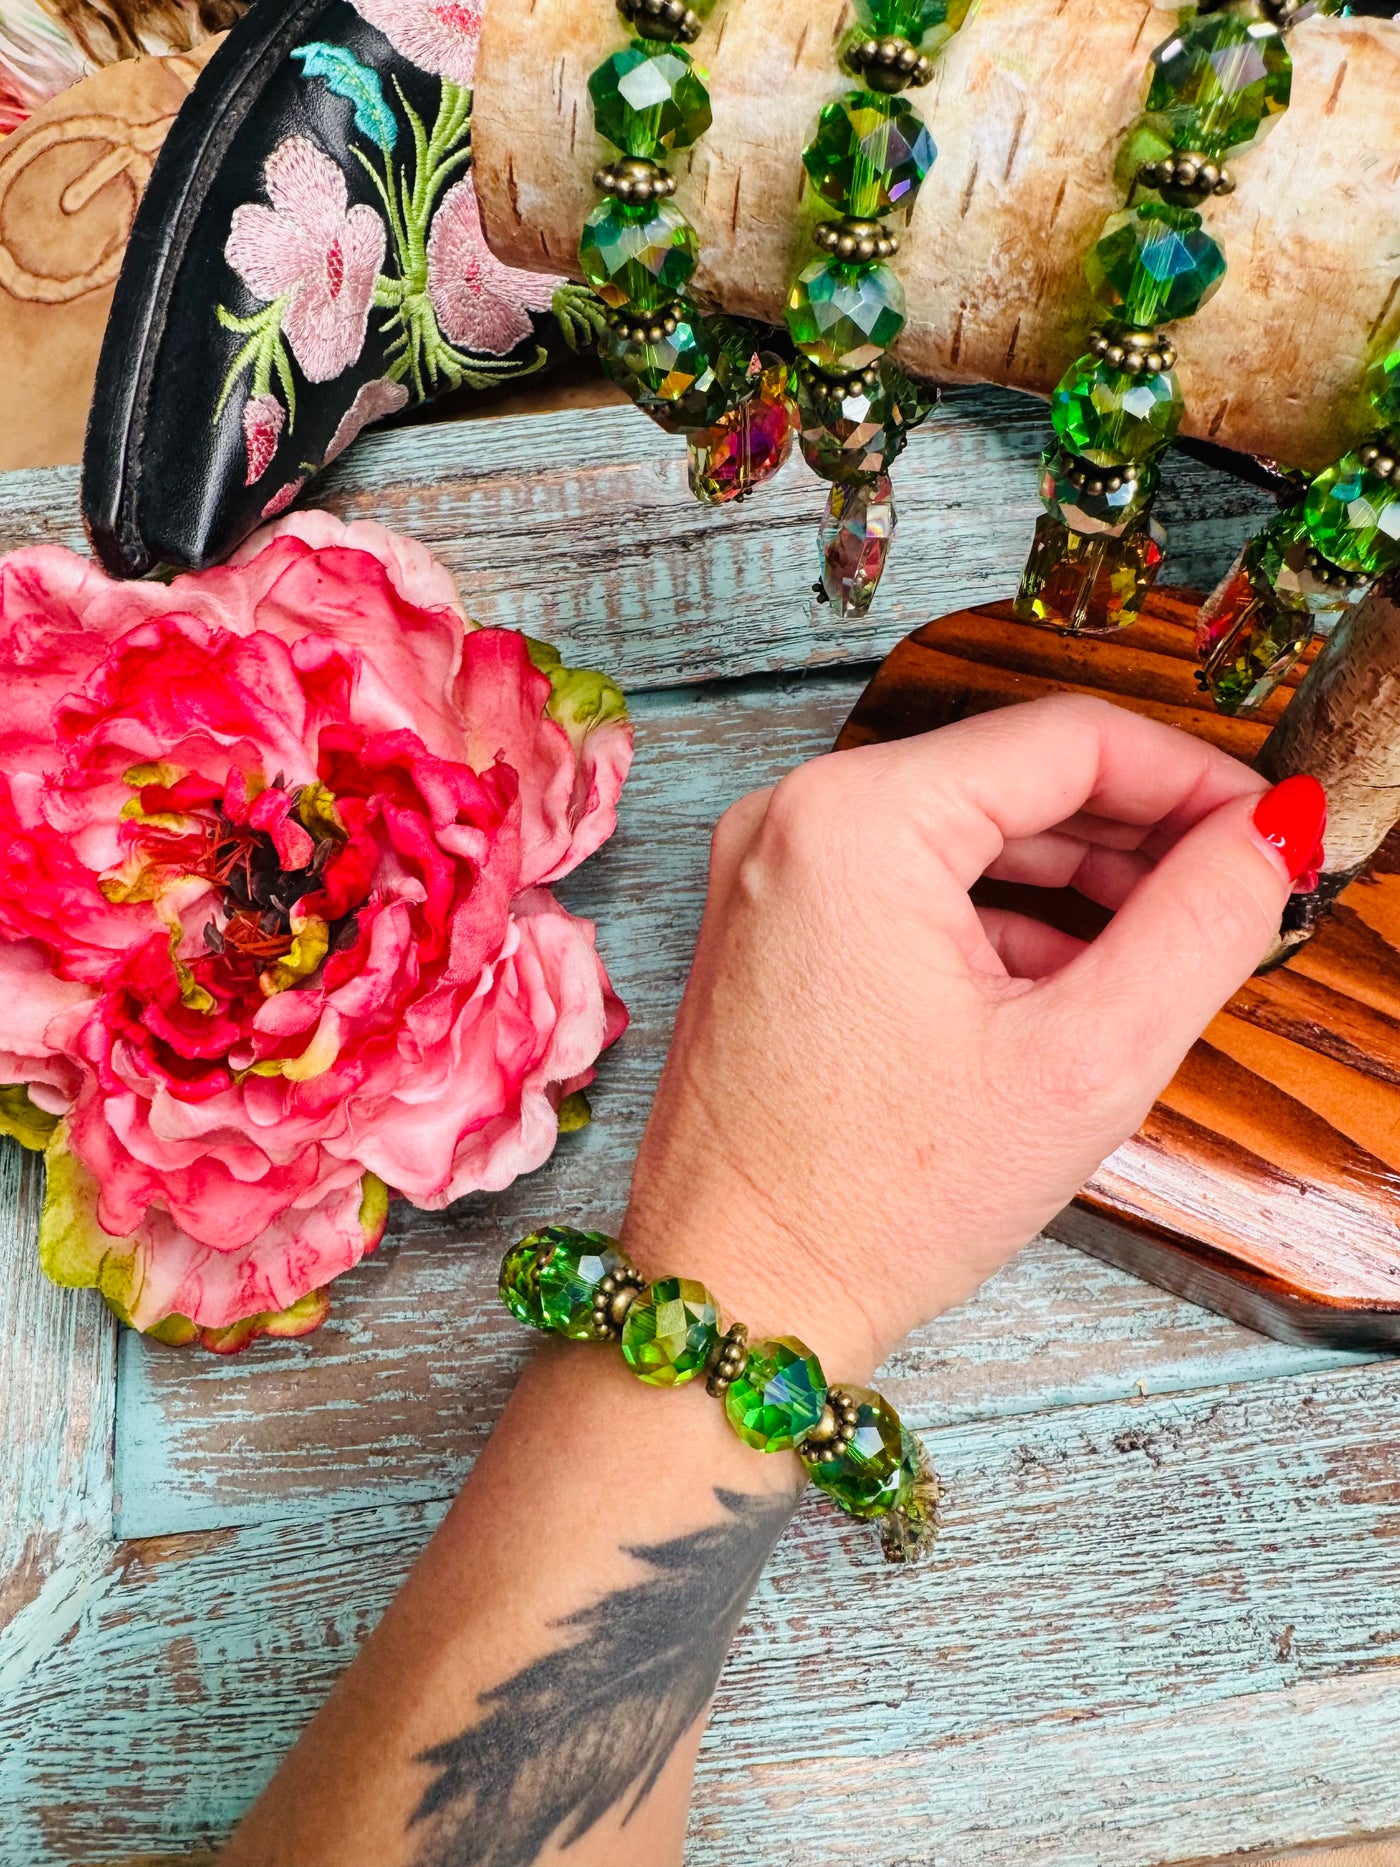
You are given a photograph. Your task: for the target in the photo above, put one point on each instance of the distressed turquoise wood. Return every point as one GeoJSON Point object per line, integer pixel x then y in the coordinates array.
{"type": "Point", "coordinates": [1154, 1626]}
{"type": "Point", "coordinates": [1164, 1625]}
{"type": "Point", "coordinates": [578, 527]}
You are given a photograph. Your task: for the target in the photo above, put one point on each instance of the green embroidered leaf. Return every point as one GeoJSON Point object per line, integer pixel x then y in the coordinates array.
{"type": "Point", "coordinates": [347, 77]}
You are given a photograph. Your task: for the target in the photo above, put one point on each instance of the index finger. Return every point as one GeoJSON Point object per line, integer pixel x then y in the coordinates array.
{"type": "Point", "coordinates": [1020, 770]}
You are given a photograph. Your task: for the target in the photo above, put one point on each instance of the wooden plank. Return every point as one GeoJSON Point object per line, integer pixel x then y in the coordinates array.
{"type": "Point", "coordinates": [369, 1409]}
{"type": "Point", "coordinates": [57, 1398]}
{"type": "Point", "coordinates": [577, 526]}
{"type": "Point", "coordinates": [1153, 1631]}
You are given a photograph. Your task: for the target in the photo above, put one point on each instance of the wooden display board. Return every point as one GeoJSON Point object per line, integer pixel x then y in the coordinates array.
{"type": "Point", "coordinates": [1266, 1181]}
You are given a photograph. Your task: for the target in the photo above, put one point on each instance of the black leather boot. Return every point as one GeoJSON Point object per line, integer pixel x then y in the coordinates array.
{"type": "Point", "coordinates": [308, 258]}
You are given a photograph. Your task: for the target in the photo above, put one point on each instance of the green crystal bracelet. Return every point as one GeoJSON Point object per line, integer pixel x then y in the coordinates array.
{"type": "Point", "coordinates": [1308, 568]}
{"type": "Point", "coordinates": [706, 378]}
{"type": "Point", "coordinates": [1213, 89]}
{"type": "Point", "coordinates": [867, 158]}
{"type": "Point", "coordinates": [851, 1441]}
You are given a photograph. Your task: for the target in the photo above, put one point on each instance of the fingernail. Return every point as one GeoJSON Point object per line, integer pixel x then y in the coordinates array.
{"type": "Point", "coordinates": [1291, 819]}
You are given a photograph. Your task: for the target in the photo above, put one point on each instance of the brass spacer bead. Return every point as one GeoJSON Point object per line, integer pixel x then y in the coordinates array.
{"type": "Point", "coordinates": [727, 1359]}
{"type": "Point", "coordinates": [613, 1296]}
{"type": "Point", "coordinates": [855, 240]}
{"type": "Point", "coordinates": [662, 19]}
{"type": "Point", "coordinates": [634, 179]}
{"type": "Point", "coordinates": [1189, 173]}
{"type": "Point", "coordinates": [889, 64]}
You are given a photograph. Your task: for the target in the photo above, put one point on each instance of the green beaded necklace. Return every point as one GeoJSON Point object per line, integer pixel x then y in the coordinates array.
{"type": "Point", "coordinates": [850, 1439]}
{"type": "Point", "coordinates": [867, 158]}
{"type": "Point", "coordinates": [1214, 88]}
{"type": "Point", "coordinates": [702, 377]}
{"type": "Point", "coordinates": [1308, 568]}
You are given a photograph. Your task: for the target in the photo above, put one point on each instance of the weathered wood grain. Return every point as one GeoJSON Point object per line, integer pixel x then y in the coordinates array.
{"type": "Point", "coordinates": [204, 1442]}
{"type": "Point", "coordinates": [57, 1401]}
{"type": "Point", "coordinates": [1029, 105]}
{"type": "Point", "coordinates": [578, 527]}
{"type": "Point", "coordinates": [1153, 1630]}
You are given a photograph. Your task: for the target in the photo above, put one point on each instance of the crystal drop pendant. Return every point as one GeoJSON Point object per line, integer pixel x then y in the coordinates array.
{"type": "Point", "coordinates": [855, 537]}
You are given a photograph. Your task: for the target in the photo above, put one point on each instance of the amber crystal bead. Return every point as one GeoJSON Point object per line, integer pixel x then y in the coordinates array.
{"type": "Point", "coordinates": [670, 1332]}
{"type": "Point", "coordinates": [779, 1396]}
{"type": "Point", "coordinates": [1088, 583]}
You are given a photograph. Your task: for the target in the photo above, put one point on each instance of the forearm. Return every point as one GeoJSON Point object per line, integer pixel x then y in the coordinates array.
{"type": "Point", "coordinates": [541, 1681]}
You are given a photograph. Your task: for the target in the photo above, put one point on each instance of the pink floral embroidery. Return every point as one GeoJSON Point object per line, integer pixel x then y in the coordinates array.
{"type": "Point", "coordinates": [283, 497]}
{"type": "Point", "coordinates": [438, 35]}
{"type": "Point", "coordinates": [480, 303]}
{"type": "Point", "coordinates": [263, 420]}
{"type": "Point", "coordinates": [373, 401]}
{"type": "Point", "coordinates": [308, 248]}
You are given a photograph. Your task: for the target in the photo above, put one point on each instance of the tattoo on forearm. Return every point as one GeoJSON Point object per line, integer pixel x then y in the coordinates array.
{"type": "Point", "coordinates": [595, 1721]}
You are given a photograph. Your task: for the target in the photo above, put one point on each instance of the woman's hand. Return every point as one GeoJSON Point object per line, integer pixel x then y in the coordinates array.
{"type": "Point", "coordinates": [878, 1092]}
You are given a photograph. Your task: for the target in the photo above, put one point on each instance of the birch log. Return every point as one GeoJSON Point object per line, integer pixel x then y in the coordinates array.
{"type": "Point", "coordinates": [1029, 107]}
{"type": "Point", "coordinates": [1343, 726]}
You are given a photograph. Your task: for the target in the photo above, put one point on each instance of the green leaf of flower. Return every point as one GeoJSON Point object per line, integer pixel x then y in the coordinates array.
{"type": "Point", "coordinates": [347, 77]}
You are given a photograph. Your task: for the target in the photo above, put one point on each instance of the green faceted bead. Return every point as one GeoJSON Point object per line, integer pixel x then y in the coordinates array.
{"type": "Point", "coordinates": [1147, 141]}
{"type": "Point", "coordinates": [1113, 417]}
{"type": "Point", "coordinates": [519, 1283]}
{"type": "Point", "coordinates": [647, 98]}
{"type": "Point", "coordinates": [926, 24]}
{"type": "Point", "coordinates": [852, 427]}
{"type": "Point", "coordinates": [843, 317]}
{"type": "Point", "coordinates": [1220, 82]}
{"type": "Point", "coordinates": [1353, 517]}
{"type": "Point", "coordinates": [1088, 583]}
{"type": "Point", "coordinates": [779, 1397]}
{"type": "Point", "coordinates": [679, 380]}
{"type": "Point", "coordinates": [1154, 262]}
{"type": "Point", "coordinates": [1383, 386]}
{"type": "Point", "coordinates": [670, 1331]}
{"type": "Point", "coordinates": [637, 258]}
{"type": "Point", "coordinates": [548, 1279]}
{"type": "Point", "coordinates": [1110, 500]}
{"type": "Point", "coordinates": [865, 1477]}
{"type": "Point", "coordinates": [869, 153]}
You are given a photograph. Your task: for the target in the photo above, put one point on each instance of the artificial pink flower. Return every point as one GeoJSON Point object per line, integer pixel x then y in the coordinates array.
{"type": "Point", "coordinates": [263, 420]}
{"type": "Point", "coordinates": [480, 304]}
{"type": "Point", "coordinates": [274, 842]}
{"type": "Point", "coordinates": [437, 35]}
{"type": "Point", "coordinates": [310, 248]}
{"type": "Point", "coordinates": [373, 401]}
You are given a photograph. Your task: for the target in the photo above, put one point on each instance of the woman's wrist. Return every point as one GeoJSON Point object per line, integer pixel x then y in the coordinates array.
{"type": "Point", "coordinates": [755, 1268]}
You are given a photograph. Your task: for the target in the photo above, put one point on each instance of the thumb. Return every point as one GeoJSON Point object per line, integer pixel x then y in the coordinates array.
{"type": "Point", "coordinates": [1194, 928]}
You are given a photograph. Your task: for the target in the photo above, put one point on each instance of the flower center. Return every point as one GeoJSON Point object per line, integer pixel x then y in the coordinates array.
{"type": "Point", "coordinates": [335, 268]}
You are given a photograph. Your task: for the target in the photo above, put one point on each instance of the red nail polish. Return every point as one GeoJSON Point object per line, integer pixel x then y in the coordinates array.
{"type": "Point", "coordinates": [1292, 817]}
